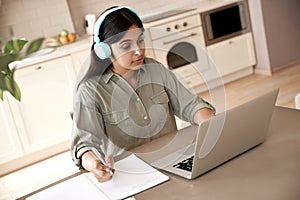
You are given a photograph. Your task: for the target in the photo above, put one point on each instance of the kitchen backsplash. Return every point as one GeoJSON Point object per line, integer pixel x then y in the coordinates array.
{"type": "Point", "coordinates": [36, 18]}
{"type": "Point", "coordinates": [79, 8]}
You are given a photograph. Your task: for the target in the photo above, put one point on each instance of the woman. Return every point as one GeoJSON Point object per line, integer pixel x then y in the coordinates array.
{"type": "Point", "coordinates": [125, 99]}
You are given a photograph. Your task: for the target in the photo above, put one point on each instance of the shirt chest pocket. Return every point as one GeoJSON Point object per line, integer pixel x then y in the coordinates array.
{"type": "Point", "coordinates": [116, 117]}
{"type": "Point", "coordinates": [160, 98]}
{"type": "Point", "coordinates": [122, 116]}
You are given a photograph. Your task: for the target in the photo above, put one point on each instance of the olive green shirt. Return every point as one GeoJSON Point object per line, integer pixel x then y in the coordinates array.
{"type": "Point", "coordinates": [112, 116]}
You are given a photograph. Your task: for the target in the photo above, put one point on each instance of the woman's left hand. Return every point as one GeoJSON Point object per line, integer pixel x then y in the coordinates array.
{"type": "Point", "coordinates": [202, 115]}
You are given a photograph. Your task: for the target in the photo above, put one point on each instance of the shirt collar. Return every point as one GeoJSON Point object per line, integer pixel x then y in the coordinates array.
{"type": "Point", "coordinates": [108, 74]}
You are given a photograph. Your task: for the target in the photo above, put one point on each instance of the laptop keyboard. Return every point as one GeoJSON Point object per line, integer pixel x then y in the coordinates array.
{"type": "Point", "coordinates": [186, 164]}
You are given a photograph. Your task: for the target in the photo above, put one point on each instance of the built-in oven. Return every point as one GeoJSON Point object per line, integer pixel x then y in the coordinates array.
{"type": "Point", "coordinates": [225, 22]}
{"type": "Point", "coordinates": [179, 45]}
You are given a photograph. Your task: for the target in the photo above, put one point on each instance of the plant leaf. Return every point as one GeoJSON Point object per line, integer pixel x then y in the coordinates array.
{"type": "Point", "coordinates": [1, 94]}
{"type": "Point", "coordinates": [14, 46]}
{"type": "Point", "coordinates": [7, 83]}
{"type": "Point", "coordinates": [3, 85]}
{"type": "Point", "coordinates": [34, 46]}
{"type": "Point", "coordinates": [4, 61]}
{"type": "Point", "coordinates": [15, 92]}
{"type": "Point", "coordinates": [8, 47]}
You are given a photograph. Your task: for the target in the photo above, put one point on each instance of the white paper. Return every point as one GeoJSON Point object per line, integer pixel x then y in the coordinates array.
{"type": "Point", "coordinates": [132, 176]}
{"type": "Point", "coordinates": [76, 188]}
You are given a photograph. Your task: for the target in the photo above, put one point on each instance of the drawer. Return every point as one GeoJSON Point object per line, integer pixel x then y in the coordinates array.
{"type": "Point", "coordinates": [194, 80]}
{"type": "Point", "coordinates": [191, 78]}
{"type": "Point", "coordinates": [175, 26]}
{"type": "Point", "coordinates": [185, 71]}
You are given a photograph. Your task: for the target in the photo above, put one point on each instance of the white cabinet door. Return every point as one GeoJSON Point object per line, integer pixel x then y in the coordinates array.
{"type": "Point", "coordinates": [10, 145]}
{"type": "Point", "coordinates": [233, 54]}
{"type": "Point", "coordinates": [43, 115]}
{"type": "Point", "coordinates": [81, 62]}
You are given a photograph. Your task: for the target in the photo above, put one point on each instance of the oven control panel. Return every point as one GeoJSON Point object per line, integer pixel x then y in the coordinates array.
{"type": "Point", "coordinates": [176, 26]}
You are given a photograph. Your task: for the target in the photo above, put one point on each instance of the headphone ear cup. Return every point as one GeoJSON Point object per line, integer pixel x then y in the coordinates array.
{"type": "Point", "coordinates": [102, 50]}
{"type": "Point", "coordinates": [144, 35]}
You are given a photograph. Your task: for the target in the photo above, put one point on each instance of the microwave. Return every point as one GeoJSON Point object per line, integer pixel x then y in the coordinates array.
{"type": "Point", "coordinates": [225, 22]}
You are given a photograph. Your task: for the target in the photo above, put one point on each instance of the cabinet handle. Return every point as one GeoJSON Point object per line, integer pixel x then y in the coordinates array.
{"type": "Point", "coordinates": [180, 38]}
{"type": "Point", "coordinates": [38, 68]}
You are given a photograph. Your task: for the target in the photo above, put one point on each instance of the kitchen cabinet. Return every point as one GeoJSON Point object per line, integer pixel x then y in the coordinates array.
{"type": "Point", "coordinates": [43, 113]}
{"type": "Point", "coordinates": [233, 54]}
{"type": "Point", "coordinates": [42, 116]}
{"type": "Point", "coordinates": [10, 144]}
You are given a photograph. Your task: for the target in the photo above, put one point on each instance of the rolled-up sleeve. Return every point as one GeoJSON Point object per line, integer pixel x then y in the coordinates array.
{"type": "Point", "coordinates": [184, 103]}
{"type": "Point", "coordinates": [87, 131]}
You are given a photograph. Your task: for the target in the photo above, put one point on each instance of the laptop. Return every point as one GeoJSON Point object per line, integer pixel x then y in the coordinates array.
{"type": "Point", "coordinates": [221, 138]}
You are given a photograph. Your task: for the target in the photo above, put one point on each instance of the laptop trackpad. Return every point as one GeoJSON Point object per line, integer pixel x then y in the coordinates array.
{"type": "Point", "coordinates": [175, 157]}
{"type": "Point", "coordinates": [188, 150]}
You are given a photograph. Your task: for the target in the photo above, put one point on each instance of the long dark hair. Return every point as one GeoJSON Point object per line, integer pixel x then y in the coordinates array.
{"type": "Point", "coordinates": [111, 30]}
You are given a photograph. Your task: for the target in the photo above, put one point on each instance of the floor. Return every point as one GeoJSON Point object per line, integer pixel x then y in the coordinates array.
{"type": "Point", "coordinates": [286, 79]}
{"type": "Point", "coordinates": [26, 180]}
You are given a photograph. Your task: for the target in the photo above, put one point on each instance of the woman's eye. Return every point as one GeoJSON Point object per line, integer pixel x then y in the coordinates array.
{"type": "Point", "coordinates": [126, 46]}
{"type": "Point", "coordinates": [141, 40]}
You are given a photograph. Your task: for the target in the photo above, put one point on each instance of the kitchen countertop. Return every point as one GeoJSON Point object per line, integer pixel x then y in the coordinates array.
{"type": "Point", "coordinates": [84, 42]}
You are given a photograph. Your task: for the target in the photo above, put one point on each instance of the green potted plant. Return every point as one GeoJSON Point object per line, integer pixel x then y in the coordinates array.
{"type": "Point", "coordinates": [12, 51]}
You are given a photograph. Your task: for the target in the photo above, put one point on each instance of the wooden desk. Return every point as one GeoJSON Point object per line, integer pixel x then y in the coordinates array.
{"type": "Point", "coordinates": [270, 171]}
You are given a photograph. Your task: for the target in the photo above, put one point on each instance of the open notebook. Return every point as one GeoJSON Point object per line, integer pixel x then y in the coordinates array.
{"type": "Point", "coordinates": [131, 177]}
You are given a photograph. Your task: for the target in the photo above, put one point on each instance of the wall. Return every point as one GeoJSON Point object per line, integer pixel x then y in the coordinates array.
{"type": "Point", "coordinates": [282, 25]}
{"type": "Point", "coordinates": [34, 18]}
{"type": "Point", "coordinates": [276, 30]}
{"type": "Point", "coordinates": [79, 8]}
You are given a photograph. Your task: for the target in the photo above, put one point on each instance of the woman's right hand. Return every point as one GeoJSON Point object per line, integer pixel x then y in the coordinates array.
{"type": "Point", "coordinates": [92, 164]}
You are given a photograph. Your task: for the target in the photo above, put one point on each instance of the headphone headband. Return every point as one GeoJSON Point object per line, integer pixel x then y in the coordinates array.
{"type": "Point", "coordinates": [101, 48]}
{"type": "Point", "coordinates": [102, 18]}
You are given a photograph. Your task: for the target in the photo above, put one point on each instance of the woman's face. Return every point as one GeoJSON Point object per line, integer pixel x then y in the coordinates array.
{"type": "Point", "coordinates": [128, 53]}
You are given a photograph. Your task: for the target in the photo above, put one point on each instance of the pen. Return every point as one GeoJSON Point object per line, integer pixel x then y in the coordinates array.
{"type": "Point", "coordinates": [101, 158]}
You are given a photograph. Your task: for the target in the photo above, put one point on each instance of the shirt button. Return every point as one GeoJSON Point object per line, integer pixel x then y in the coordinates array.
{"type": "Point", "coordinates": [145, 117]}
{"type": "Point", "coordinates": [138, 99]}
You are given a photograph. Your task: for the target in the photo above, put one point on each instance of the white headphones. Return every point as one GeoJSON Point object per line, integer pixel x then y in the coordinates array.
{"type": "Point", "coordinates": [101, 48]}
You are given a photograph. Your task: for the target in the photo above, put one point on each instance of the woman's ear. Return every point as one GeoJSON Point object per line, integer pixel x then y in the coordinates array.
{"type": "Point", "coordinates": [112, 57]}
